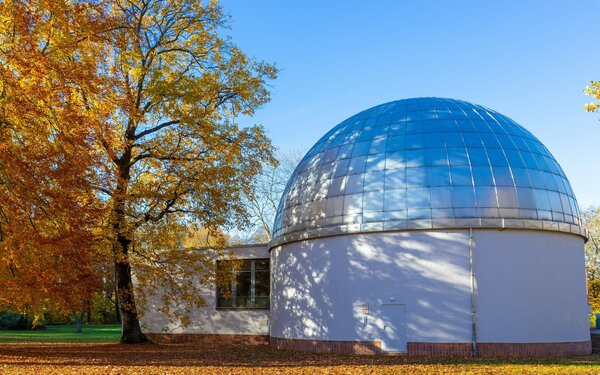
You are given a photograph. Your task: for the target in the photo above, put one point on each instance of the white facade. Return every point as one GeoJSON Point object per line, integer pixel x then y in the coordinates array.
{"type": "Point", "coordinates": [209, 319]}
{"type": "Point", "coordinates": [530, 287]}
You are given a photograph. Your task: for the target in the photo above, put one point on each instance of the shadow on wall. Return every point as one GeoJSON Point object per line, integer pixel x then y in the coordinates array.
{"type": "Point", "coordinates": [206, 320]}
{"type": "Point", "coordinates": [319, 286]}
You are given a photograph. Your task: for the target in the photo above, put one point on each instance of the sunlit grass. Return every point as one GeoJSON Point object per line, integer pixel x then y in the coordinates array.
{"type": "Point", "coordinates": [63, 333]}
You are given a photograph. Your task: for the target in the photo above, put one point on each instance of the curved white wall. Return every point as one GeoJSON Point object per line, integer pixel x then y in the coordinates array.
{"type": "Point", "coordinates": [531, 286]}
{"type": "Point", "coordinates": [318, 286]}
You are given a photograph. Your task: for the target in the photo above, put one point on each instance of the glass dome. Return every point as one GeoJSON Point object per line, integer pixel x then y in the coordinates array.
{"type": "Point", "coordinates": [425, 163]}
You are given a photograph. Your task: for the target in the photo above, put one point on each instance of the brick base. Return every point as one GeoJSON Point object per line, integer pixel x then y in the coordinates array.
{"type": "Point", "coordinates": [439, 349]}
{"type": "Point", "coordinates": [177, 338]}
{"type": "Point", "coordinates": [546, 349]}
{"type": "Point", "coordinates": [322, 346]}
{"type": "Point", "coordinates": [436, 349]}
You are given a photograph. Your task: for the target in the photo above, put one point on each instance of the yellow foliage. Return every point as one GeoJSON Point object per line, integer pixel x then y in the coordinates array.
{"type": "Point", "coordinates": [593, 90]}
{"type": "Point", "coordinates": [122, 118]}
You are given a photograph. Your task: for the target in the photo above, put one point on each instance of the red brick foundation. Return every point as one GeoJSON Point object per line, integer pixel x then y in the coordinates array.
{"type": "Point", "coordinates": [435, 349]}
{"type": "Point", "coordinates": [550, 349]}
{"type": "Point", "coordinates": [177, 338]}
{"type": "Point", "coordinates": [439, 349]}
{"type": "Point", "coordinates": [322, 346]}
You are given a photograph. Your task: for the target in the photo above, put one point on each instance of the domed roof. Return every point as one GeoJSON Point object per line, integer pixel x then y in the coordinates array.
{"type": "Point", "coordinates": [425, 163]}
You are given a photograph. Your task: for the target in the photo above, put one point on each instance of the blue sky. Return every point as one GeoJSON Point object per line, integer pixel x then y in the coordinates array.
{"type": "Point", "coordinates": [529, 60]}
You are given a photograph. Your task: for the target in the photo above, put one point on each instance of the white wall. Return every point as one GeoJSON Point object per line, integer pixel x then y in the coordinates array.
{"type": "Point", "coordinates": [209, 320]}
{"type": "Point", "coordinates": [318, 286]}
{"type": "Point", "coordinates": [531, 287]}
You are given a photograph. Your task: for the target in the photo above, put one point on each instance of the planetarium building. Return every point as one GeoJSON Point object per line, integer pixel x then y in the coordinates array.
{"type": "Point", "coordinates": [422, 226]}
{"type": "Point", "coordinates": [429, 226]}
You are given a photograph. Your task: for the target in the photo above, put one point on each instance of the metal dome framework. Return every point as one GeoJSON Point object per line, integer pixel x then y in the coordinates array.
{"type": "Point", "coordinates": [425, 163]}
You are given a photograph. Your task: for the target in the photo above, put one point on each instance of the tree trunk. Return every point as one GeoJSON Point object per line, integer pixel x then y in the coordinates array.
{"type": "Point", "coordinates": [79, 320]}
{"type": "Point", "coordinates": [131, 330]}
{"type": "Point", "coordinates": [117, 308]}
{"type": "Point", "coordinates": [89, 312]}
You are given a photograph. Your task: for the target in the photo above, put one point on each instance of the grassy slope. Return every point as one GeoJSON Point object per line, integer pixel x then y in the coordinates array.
{"type": "Point", "coordinates": [64, 333]}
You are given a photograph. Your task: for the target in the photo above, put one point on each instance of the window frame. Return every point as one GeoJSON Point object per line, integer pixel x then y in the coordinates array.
{"type": "Point", "coordinates": [252, 287]}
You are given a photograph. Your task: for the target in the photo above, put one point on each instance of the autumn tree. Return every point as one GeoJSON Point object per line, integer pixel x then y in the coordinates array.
{"type": "Point", "coordinates": [593, 90]}
{"type": "Point", "coordinates": [157, 106]}
{"type": "Point", "coordinates": [49, 258]}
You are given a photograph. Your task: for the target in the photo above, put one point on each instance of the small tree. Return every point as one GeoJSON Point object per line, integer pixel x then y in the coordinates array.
{"type": "Point", "coordinates": [263, 200]}
{"type": "Point", "coordinates": [593, 90]}
{"type": "Point", "coordinates": [591, 221]}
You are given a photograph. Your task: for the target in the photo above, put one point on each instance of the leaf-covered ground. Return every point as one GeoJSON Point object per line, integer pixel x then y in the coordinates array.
{"type": "Point", "coordinates": [94, 358]}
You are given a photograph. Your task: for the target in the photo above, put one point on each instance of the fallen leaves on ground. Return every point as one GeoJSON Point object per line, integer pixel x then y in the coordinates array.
{"type": "Point", "coordinates": [227, 359]}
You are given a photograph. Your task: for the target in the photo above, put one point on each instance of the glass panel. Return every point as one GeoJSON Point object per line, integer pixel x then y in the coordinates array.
{"type": "Point", "coordinates": [375, 162]}
{"type": "Point", "coordinates": [507, 197]}
{"type": "Point", "coordinates": [497, 157]}
{"type": "Point", "coordinates": [441, 197]}
{"type": "Point", "coordinates": [529, 160]}
{"type": "Point", "coordinates": [549, 181]}
{"type": "Point", "coordinates": [526, 198]}
{"type": "Point", "coordinates": [378, 145]}
{"type": "Point", "coordinates": [461, 175]}
{"type": "Point", "coordinates": [514, 158]}
{"type": "Point", "coordinates": [414, 141]}
{"type": "Point", "coordinates": [555, 204]}
{"type": "Point", "coordinates": [335, 206]}
{"type": "Point", "coordinates": [243, 284]}
{"type": "Point", "coordinates": [396, 143]}
{"type": "Point", "coordinates": [354, 183]}
{"type": "Point", "coordinates": [360, 149]}
{"type": "Point", "coordinates": [454, 140]}
{"type": "Point", "coordinates": [458, 156]}
{"type": "Point", "coordinates": [482, 175]}
{"type": "Point", "coordinates": [337, 186]}
{"type": "Point", "coordinates": [463, 196]}
{"type": "Point", "coordinates": [374, 180]}
{"type": "Point", "coordinates": [436, 156]}
{"type": "Point", "coordinates": [434, 140]}
{"type": "Point", "coordinates": [415, 158]}
{"type": "Point", "coordinates": [438, 176]}
{"type": "Point", "coordinates": [416, 177]}
{"type": "Point", "coordinates": [415, 214]}
{"type": "Point", "coordinates": [395, 160]}
{"type": "Point", "coordinates": [486, 196]}
{"type": "Point", "coordinates": [537, 179]}
{"type": "Point", "coordinates": [373, 201]}
{"type": "Point", "coordinates": [478, 156]}
{"type": "Point", "coordinates": [395, 178]}
{"type": "Point", "coordinates": [521, 177]}
{"type": "Point", "coordinates": [541, 199]}
{"type": "Point", "coordinates": [502, 176]}
{"type": "Point", "coordinates": [353, 204]}
{"type": "Point", "coordinates": [417, 198]}
{"type": "Point", "coordinates": [395, 200]}
{"type": "Point", "coordinates": [357, 165]}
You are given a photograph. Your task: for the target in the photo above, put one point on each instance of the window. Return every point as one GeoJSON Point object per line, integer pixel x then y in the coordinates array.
{"type": "Point", "coordinates": [251, 287]}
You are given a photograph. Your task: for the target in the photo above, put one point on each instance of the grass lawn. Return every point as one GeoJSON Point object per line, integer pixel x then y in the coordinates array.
{"type": "Point", "coordinates": [102, 358]}
{"type": "Point", "coordinates": [63, 334]}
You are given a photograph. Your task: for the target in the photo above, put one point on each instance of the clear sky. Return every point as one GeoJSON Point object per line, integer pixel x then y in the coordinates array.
{"type": "Point", "coordinates": [529, 60]}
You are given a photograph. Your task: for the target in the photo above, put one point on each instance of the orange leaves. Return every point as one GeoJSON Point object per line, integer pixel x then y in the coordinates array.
{"type": "Point", "coordinates": [118, 128]}
{"type": "Point", "coordinates": [47, 205]}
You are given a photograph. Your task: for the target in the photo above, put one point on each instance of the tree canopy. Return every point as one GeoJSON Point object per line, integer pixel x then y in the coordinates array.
{"type": "Point", "coordinates": [118, 130]}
